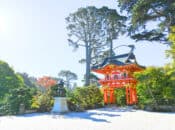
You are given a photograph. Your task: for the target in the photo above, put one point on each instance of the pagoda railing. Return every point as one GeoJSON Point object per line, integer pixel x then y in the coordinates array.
{"type": "Point", "coordinates": [117, 83]}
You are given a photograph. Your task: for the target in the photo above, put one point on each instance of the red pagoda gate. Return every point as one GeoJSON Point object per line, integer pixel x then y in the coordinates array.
{"type": "Point", "coordinates": [118, 72]}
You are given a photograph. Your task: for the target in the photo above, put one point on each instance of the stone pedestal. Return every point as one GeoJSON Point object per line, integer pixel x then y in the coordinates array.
{"type": "Point", "coordinates": [21, 109]}
{"type": "Point", "coordinates": [60, 105]}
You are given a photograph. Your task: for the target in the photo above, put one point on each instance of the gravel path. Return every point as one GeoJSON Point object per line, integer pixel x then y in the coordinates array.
{"type": "Point", "coordinates": [100, 119]}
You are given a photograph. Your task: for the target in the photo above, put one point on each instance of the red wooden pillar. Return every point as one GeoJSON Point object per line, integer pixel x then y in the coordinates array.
{"type": "Point", "coordinates": [136, 95]}
{"type": "Point", "coordinates": [127, 95]}
{"type": "Point", "coordinates": [133, 96]}
{"type": "Point", "coordinates": [130, 95]}
{"type": "Point", "coordinates": [112, 97]}
{"type": "Point", "coordinates": [105, 96]}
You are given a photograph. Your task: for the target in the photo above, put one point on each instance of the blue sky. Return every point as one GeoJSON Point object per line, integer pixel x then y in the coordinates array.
{"type": "Point", "coordinates": [33, 37]}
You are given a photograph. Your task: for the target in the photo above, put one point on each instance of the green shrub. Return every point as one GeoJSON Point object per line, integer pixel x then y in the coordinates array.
{"type": "Point", "coordinates": [16, 98]}
{"type": "Point", "coordinates": [4, 109]}
{"type": "Point", "coordinates": [57, 91]}
{"type": "Point", "coordinates": [85, 98]}
{"type": "Point", "coordinates": [20, 96]}
{"type": "Point", "coordinates": [42, 102]}
{"type": "Point", "coordinates": [8, 81]}
{"type": "Point", "coordinates": [120, 97]}
{"type": "Point", "coordinates": [13, 91]}
{"type": "Point", "coordinates": [54, 90]}
{"type": "Point", "coordinates": [155, 87]}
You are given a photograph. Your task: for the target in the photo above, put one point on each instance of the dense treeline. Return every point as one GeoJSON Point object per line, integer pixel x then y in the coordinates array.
{"type": "Point", "coordinates": [13, 91]}
{"type": "Point", "coordinates": [20, 94]}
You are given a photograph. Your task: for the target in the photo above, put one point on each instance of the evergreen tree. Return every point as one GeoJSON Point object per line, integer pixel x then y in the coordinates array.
{"type": "Point", "coordinates": [159, 13]}
{"type": "Point", "coordinates": [68, 76]}
{"type": "Point", "coordinates": [93, 29]}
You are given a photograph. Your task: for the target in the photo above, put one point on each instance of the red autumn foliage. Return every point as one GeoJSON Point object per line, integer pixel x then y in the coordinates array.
{"type": "Point", "coordinates": [46, 82]}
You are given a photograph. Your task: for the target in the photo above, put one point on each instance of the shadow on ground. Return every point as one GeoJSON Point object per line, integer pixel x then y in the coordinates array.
{"type": "Point", "coordinates": [117, 109]}
{"type": "Point", "coordinates": [34, 114]}
{"type": "Point", "coordinates": [96, 115]}
{"type": "Point", "coordinates": [93, 116]}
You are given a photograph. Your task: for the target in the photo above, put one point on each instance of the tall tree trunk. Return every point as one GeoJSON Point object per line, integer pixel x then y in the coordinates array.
{"type": "Point", "coordinates": [111, 48]}
{"type": "Point", "coordinates": [67, 83]}
{"type": "Point", "coordinates": [88, 58]}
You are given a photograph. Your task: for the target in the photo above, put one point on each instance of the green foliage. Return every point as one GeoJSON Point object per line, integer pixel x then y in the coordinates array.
{"type": "Point", "coordinates": [57, 91]}
{"type": "Point", "coordinates": [94, 29]}
{"type": "Point", "coordinates": [85, 98]}
{"type": "Point", "coordinates": [20, 96]}
{"type": "Point", "coordinates": [53, 91]}
{"type": "Point", "coordinates": [13, 91]}
{"type": "Point", "coordinates": [42, 102]}
{"type": "Point", "coordinates": [4, 109]}
{"type": "Point", "coordinates": [155, 87]}
{"type": "Point", "coordinates": [8, 80]}
{"type": "Point", "coordinates": [68, 76]}
{"type": "Point", "coordinates": [171, 52]}
{"type": "Point", "coordinates": [93, 79]}
{"type": "Point", "coordinates": [28, 81]}
{"type": "Point", "coordinates": [16, 98]}
{"type": "Point", "coordinates": [120, 97]}
{"type": "Point", "coordinates": [159, 13]}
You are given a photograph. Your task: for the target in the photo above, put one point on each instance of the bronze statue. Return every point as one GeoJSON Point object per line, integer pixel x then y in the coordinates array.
{"type": "Point", "coordinates": [61, 90]}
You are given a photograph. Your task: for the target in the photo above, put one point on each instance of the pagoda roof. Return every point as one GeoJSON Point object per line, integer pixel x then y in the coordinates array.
{"type": "Point", "coordinates": [120, 62]}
